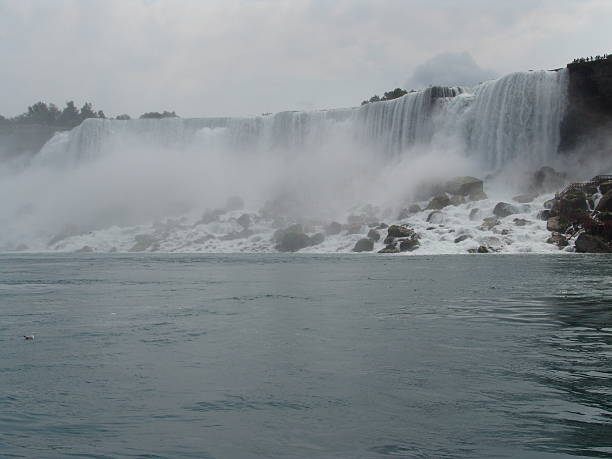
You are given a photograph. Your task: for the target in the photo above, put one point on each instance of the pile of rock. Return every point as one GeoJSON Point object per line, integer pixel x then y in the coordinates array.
{"type": "Point", "coordinates": [583, 211]}
{"type": "Point", "coordinates": [294, 238]}
{"type": "Point", "coordinates": [400, 238]}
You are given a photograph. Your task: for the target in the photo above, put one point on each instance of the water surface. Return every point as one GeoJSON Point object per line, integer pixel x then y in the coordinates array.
{"type": "Point", "coordinates": [332, 356]}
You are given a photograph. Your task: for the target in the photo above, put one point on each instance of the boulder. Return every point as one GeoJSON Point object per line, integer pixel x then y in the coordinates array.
{"type": "Point", "coordinates": [464, 186]}
{"type": "Point", "coordinates": [409, 245]}
{"type": "Point", "coordinates": [605, 203]}
{"type": "Point", "coordinates": [292, 241]}
{"type": "Point", "coordinates": [436, 217]}
{"type": "Point", "coordinates": [525, 198]}
{"type": "Point", "coordinates": [573, 202]}
{"type": "Point", "coordinates": [400, 231]}
{"type": "Point", "coordinates": [457, 200]}
{"type": "Point", "coordinates": [317, 239]}
{"type": "Point", "coordinates": [489, 222]}
{"type": "Point", "coordinates": [333, 228]}
{"type": "Point", "coordinates": [382, 226]}
{"type": "Point", "coordinates": [588, 243]}
{"type": "Point", "coordinates": [439, 202]}
{"type": "Point", "coordinates": [521, 222]}
{"type": "Point", "coordinates": [546, 180]}
{"type": "Point", "coordinates": [474, 214]}
{"type": "Point", "coordinates": [544, 214]}
{"type": "Point", "coordinates": [556, 224]}
{"type": "Point", "coordinates": [478, 196]}
{"type": "Point", "coordinates": [244, 220]}
{"type": "Point", "coordinates": [482, 249]}
{"type": "Point", "coordinates": [550, 203]}
{"type": "Point", "coordinates": [374, 235]}
{"type": "Point", "coordinates": [462, 238]}
{"type": "Point", "coordinates": [503, 209]}
{"type": "Point", "coordinates": [558, 239]}
{"type": "Point", "coordinates": [364, 245]}
{"type": "Point", "coordinates": [144, 242]}
{"type": "Point", "coordinates": [389, 248]}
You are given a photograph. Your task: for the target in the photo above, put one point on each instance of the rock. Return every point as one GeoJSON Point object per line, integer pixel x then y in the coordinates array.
{"type": "Point", "coordinates": [588, 243]}
{"type": "Point", "coordinates": [503, 209]}
{"type": "Point", "coordinates": [409, 245]}
{"type": "Point", "coordinates": [237, 235]}
{"type": "Point", "coordinates": [292, 241]}
{"type": "Point", "coordinates": [489, 222]}
{"type": "Point", "coordinates": [244, 220]}
{"type": "Point", "coordinates": [382, 226]}
{"type": "Point", "coordinates": [462, 238]}
{"type": "Point", "coordinates": [333, 228]}
{"type": "Point", "coordinates": [550, 203]}
{"type": "Point", "coordinates": [390, 248]}
{"type": "Point", "coordinates": [210, 216]}
{"type": "Point", "coordinates": [439, 202]}
{"type": "Point", "coordinates": [525, 198]}
{"type": "Point", "coordinates": [464, 186]}
{"type": "Point", "coordinates": [556, 224]}
{"type": "Point", "coordinates": [317, 239]}
{"type": "Point", "coordinates": [544, 214]}
{"type": "Point", "coordinates": [436, 217]}
{"type": "Point", "coordinates": [474, 214]}
{"type": "Point", "coordinates": [604, 216]}
{"type": "Point", "coordinates": [414, 209]}
{"type": "Point", "coordinates": [573, 202]}
{"type": "Point", "coordinates": [457, 200]}
{"type": "Point", "coordinates": [558, 240]}
{"type": "Point", "coordinates": [374, 235]}
{"type": "Point", "coordinates": [234, 203]}
{"type": "Point", "coordinates": [604, 187]}
{"type": "Point", "coordinates": [400, 231]}
{"type": "Point", "coordinates": [144, 242]}
{"type": "Point", "coordinates": [478, 196]}
{"type": "Point", "coordinates": [482, 249]}
{"type": "Point", "coordinates": [605, 203]}
{"type": "Point", "coordinates": [84, 249]}
{"type": "Point", "coordinates": [546, 180]}
{"type": "Point", "coordinates": [521, 222]}
{"type": "Point", "coordinates": [364, 245]}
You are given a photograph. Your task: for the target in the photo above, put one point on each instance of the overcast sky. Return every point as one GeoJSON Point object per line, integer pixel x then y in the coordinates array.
{"type": "Point", "coordinates": [243, 57]}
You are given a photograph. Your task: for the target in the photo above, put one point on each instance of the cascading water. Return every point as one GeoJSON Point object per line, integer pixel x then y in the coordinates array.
{"type": "Point", "coordinates": [119, 177]}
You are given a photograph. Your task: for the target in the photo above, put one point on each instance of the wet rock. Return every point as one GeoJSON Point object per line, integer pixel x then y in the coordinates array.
{"type": "Point", "coordinates": [389, 248]}
{"type": "Point", "coordinates": [573, 202]}
{"type": "Point", "coordinates": [544, 214]}
{"type": "Point", "coordinates": [489, 222]}
{"type": "Point", "coordinates": [292, 241]}
{"type": "Point", "coordinates": [333, 228]}
{"type": "Point", "coordinates": [478, 196]}
{"type": "Point", "coordinates": [409, 245]}
{"type": "Point", "coordinates": [474, 214]}
{"type": "Point", "coordinates": [525, 198]}
{"type": "Point", "coordinates": [353, 228]}
{"type": "Point", "coordinates": [382, 226]}
{"type": "Point", "coordinates": [556, 224]}
{"type": "Point", "coordinates": [521, 222]}
{"type": "Point", "coordinates": [588, 243]}
{"type": "Point", "coordinates": [558, 239]}
{"type": "Point", "coordinates": [439, 202]}
{"type": "Point", "coordinates": [503, 209]}
{"type": "Point", "coordinates": [317, 239]}
{"type": "Point", "coordinates": [244, 220]}
{"type": "Point", "coordinates": [465, 186]}
{"type": "Point", "coordinates": [462, 238]}
{"type": "Point", "coordinates": [364, 245]}
{"type": "Point", "coordinates": [604, 187]}
{"type": "Point", "coordinates": [482, 249]}
{"type": "Point", "coordinates": [546, 180]}
{"type": "Point", "coordinates": [397, 231]}
{"type": "Point", "coordinates": [457, 200]}
{"type": "Point", "coordinates": [374, 235]}
{"type": "Point", "coordinates": [605, 203]}
{"type": "Point", "coordinates": [144, 242]}
{"type": "Point", "coordinates": [436, 217]}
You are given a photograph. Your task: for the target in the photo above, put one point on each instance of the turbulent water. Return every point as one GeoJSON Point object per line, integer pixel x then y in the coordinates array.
{"type": "Point", "coordinates": [108, 185]}
{"type": "Point", "coordinates": [291, 356]}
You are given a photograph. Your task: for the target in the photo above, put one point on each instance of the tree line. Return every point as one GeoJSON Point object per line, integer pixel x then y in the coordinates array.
{"type": "Point", "coordinates": [70, 116]}
{"type": "Point", "coordinates": [390, 95]}
{"type": "Point", "coordinates": [599, 57]}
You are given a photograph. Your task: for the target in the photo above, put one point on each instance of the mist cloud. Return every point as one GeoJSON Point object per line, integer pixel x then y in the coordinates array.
{"type": "Point", "coordinates": [449, 69]}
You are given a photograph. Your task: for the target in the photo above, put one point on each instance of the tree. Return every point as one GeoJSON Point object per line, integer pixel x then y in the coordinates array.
{"type": "Point", "coordinates": [123, 117]}
{"type": "Point", "coordinates": [70, 116]}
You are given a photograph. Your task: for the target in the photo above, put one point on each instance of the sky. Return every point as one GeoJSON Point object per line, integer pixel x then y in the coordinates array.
{"type": "Point", "coordinates": [245, 57]}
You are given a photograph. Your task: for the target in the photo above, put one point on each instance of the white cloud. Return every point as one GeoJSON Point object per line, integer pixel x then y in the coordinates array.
{"type": "Point", "coordinates": [449, 69]}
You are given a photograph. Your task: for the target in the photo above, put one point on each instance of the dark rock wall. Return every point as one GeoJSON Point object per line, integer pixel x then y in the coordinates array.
{"type": "Point", "coordinates": [589, 112]}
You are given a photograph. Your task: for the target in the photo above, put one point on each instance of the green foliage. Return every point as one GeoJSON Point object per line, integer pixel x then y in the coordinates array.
{"type": "Point", "coordinates": [158, 115]}
{"type": "Point", "coordinates": [582, 60]}
{"type": "Point", "coordinates": [49, 114]}
{"type": "Point", "coordinates": [390, 95]}
{"type": "Point", "coordinates": [123, 117]}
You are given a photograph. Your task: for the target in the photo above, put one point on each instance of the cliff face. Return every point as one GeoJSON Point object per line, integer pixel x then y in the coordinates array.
{"type": "Point", "coordinates": [24, 139]}
{"type": "Point", "coordinates": [589, 104]}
